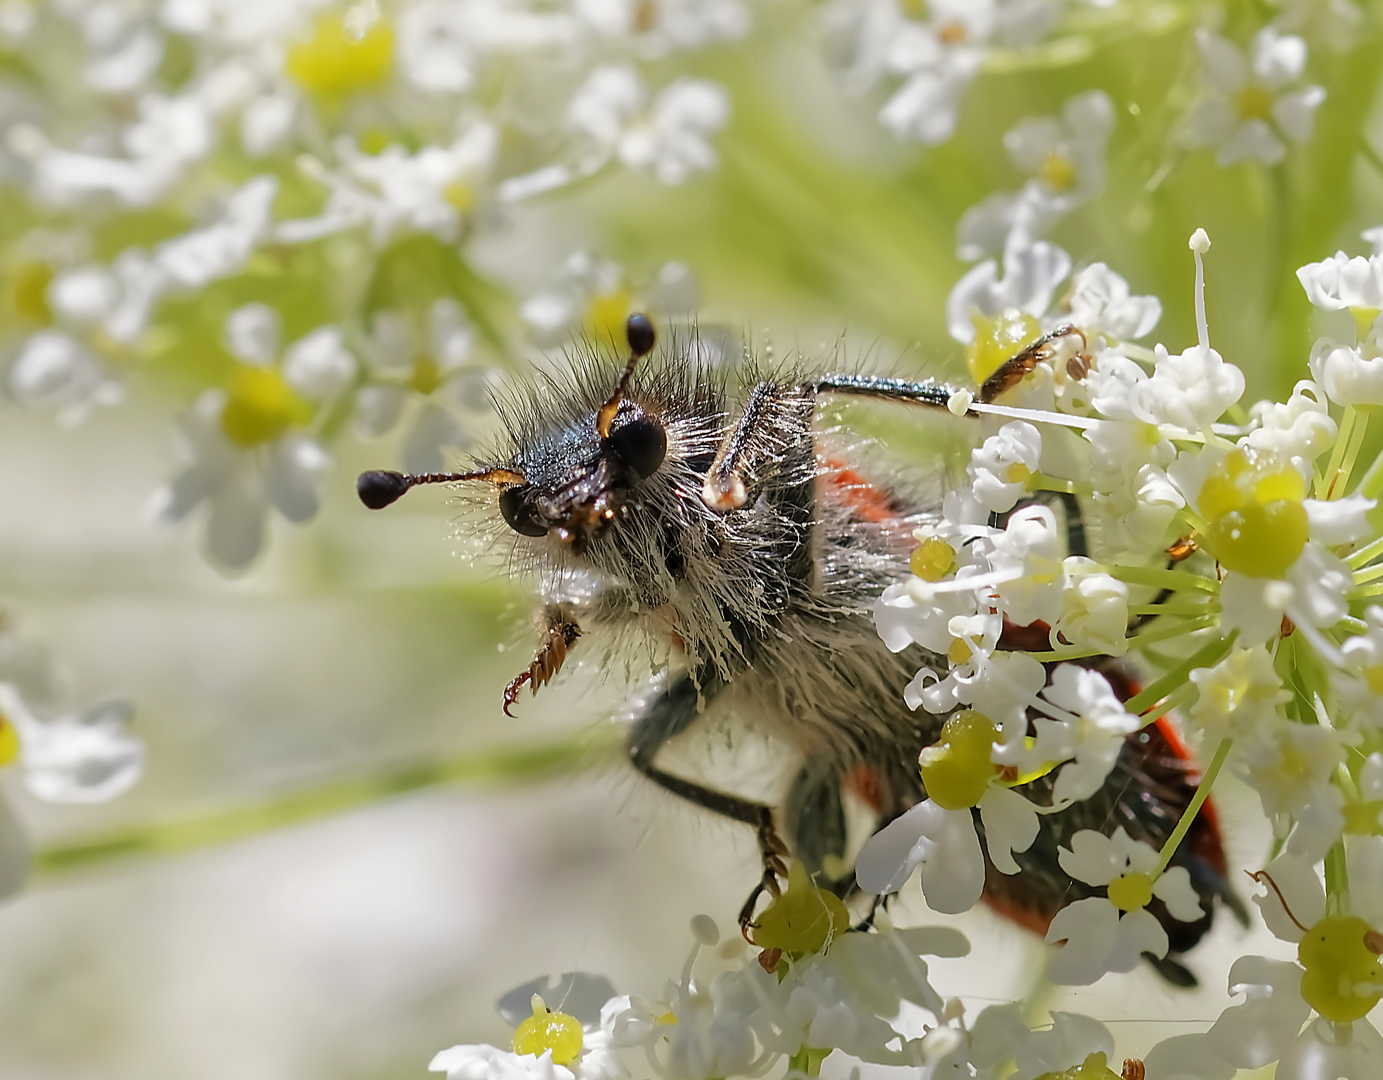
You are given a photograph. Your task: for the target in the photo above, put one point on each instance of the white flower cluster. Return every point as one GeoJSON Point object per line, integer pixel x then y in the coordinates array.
{"type": "Point", "coordinates": [1126, 505]}
{"type": "Point", "coordinates": [853, 996]}
{"type": "Point", "coordinates": [318, 174]}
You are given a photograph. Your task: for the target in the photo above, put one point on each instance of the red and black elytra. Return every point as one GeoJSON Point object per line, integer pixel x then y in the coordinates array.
{"type": "Point", "coordinates": [687, 498]}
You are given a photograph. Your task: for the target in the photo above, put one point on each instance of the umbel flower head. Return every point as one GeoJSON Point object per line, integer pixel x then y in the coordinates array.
{"type": "Point", "coordinates": [1228, 544]}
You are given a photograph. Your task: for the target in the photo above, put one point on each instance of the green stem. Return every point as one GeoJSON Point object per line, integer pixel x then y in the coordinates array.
{"type": "Point", "coordinates": [1182, 695]}
{"type": "Point", "coordinates": [1162, 633]}
{"type": "Point", "coordinates": [495, 767]}
{"type": "Point", "coordinates": [1371, 485]}
{"type": "Point", "coordinates": [1337, 453]}
{"type": "Point", "coordinates": [1356, 443]}
{"type": "Point", "coordinates": [1159, 578]}
{"type": "Point", "coordinates": [807, 1061]}
{"type": "Point", "coordinates": [1365, 553]}
{"type": "Point", "coordinates": [1040, 481]}
{"type": "Point", "coordinates": [1371, 155]}
{"type": "Point", "coordinates": [1336, 880]}
{"type": "Point", "coordinates": [1206, 656]}
{"type": "Point", "coordinates": [1193, 808]}
{"type": "Point", "coordinates": [1171, 607]}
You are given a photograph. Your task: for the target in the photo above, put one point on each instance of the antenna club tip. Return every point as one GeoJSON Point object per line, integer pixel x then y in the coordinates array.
{"type": "Point", "coordinates": [641, 334]}
{"type": "Point", "coordinates": [378, 488]}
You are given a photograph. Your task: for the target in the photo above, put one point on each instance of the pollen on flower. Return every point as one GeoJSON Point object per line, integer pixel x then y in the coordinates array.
{"type": "Point", "coordinates": [426, 375]}
{"type": "Point", "coordinates": [606, 315]}
{"type": "Point", "coordinates": [957, 771]}
{"type": "Point", "coordinates": [1255, 521]}
{"type": "Point", "coordinates": [1362, 818]}
{"type": "Point", "coordinates": [1363, 320]}
{"type": "Point", "coordinates": [1057, 172]}
{"type": "Point", "coordinates": [260, 406]}
{"type": "Point", "coordinates": [547, 1030]}
{"type": "Point", "coordinates": [960, 651]}
{"type": "Point", "coordinates": [998, 339]}
{"type": "Point", "coordinates": [9, 742]}
{"type": "Point", "coordinates": [1094, 1067]}
{"type": "Point", "coordinates": [933, 559]}
{"type": "Point", "coordinates": [460, 195]}
{"type": "Point", "coordinates": [346, 52]}
{"type": "Point", "coordinates": [804, 920]}
{"type": "Point", "coordinates": [1344, 977]}
{"type": "Point", "coordinates": [1130, 892]}
{"type": "Point", "coordinates": [1253, 102]}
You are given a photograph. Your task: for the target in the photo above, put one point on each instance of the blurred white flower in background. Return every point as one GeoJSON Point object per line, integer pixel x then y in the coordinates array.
{"type": "Point", "coordinates": [1250, 109]}
{"type": "Point", "coordinates": [118, 301]}
{"type": "Point", "coordinates": [248, 443]}
{"type": "Point", "coordinates": [1339, 24]}
{"type": "Point", "coordinates": [936, 48]}
{"type": "Point", "coordinates": [1065, 158]}
{"type": "Point", "coordinates": [56, 373]}
{"type": "Point", "coordinates": [432, 191]}
{"type": "Point", "coordinates": [655, 28]}
{"type": "Point", "coordinates": [592, 295]}
{"type": "Point", "coordinates": [1031, 274]}
{"type": "Point", "coordinates": [436, 366]}
{"type": "Point", "coordinates": [668, 137]}
{"type": "Point", "coordinates": [83, 756]}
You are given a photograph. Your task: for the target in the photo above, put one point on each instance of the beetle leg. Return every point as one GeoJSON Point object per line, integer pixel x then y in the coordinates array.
{"type": "Point", "coordinates": [559, 636]}
{"type": "Point", "coordinates": [668, 715]}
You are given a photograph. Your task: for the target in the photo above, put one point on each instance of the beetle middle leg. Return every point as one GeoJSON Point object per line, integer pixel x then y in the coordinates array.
{"type": "Point", "coordinates": [668, 715]}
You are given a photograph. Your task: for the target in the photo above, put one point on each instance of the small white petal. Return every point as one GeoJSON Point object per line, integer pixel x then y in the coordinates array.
{"type": "Point", "coordinates": [1298, 883]}
{"type": "Point", "coordinates": [1138, 933]}
{"type": "Point", "coordinates": [1173, 887]}
{"type": "Point", "coordinates": [1339, 521]}
{"type": "Point", "coordinates": [1295, 113]}
{"type": "Point", "coordinates": [1089, 928]}
{"type": "Point", "coordinates": [1010, 824]}
{"type": "Point", "coordinates": [292, 477]}
{"type": "Point", "coordinates": [889, 857]}
{"type": "Point", "coordinates": [1260, 1030]}
{"type": "Point", "coordinates": [235, 527]}
{"type": "Point", "coordinates": [319, 366]}
{"type": "Point", "coordinates": [252, 334]}
{"type": "Point", "coordinates": [1253, 139]}
{"type": "Point", "coordinates": [434, 429]}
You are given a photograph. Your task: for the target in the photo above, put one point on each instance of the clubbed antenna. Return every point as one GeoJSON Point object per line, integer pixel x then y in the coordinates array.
{"type": "Point", "coordinates": [641, 336]}
{"type": "Point", "coordinates": [378, 488]}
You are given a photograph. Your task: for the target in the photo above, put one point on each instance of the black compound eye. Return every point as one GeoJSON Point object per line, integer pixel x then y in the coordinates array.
{"type": "Point", "coordinates": [641, 444]}
{"type": "Point", "coordinates": [518, 513]}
